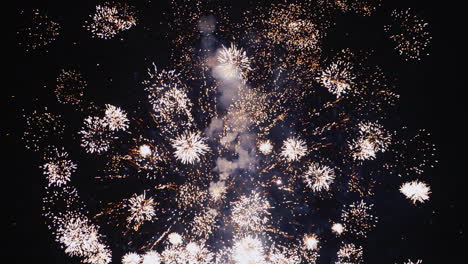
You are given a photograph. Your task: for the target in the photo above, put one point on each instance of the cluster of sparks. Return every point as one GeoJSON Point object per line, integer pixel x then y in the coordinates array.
{"type": "Point", "coordinates": [409, 34]}
{"type": "Point", "coordinates": [109, 20]}
{"type": "Point", "coordinates": [239, 143]}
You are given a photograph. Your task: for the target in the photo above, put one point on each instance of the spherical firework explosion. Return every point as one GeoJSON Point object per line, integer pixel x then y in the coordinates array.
{"type": "Point", "coordinates": [416, 191]}
{"type": "Point", "coordinates": [273, 153]}
{"type": "Point", "coordinates": [189, 147]}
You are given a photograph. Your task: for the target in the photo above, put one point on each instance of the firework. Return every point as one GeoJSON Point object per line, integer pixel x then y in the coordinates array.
{"type": "Point", "coordinates": [131, 258]}
{"type": "Point", "coordinates": [151, 257]}
{"type": "Point", "coordinates": [416, 191]}
{"type": "Point", "coordinates": [217, 190]}
{"type": "Point", "coordinates": [59, 168]}
{"type": "Point", "coordinates": [293, 149]}
{"type": "Point", "coordinates": [140, 209]}
{"type": "Point", "coordinates": [233, 151]}
{"type": "Point", "coordinates": [95, 136]}
{"type": "Point", "coordinates": [372, 139]}
{"type": "Point", "coordinates": [350, 254]}
{"type": "Point", "coordinates": [109, 20]}
{"type": "Point", "coordinates": [319, 177]}
{"type": "Point", "coordinates": [80, 238]}
{"type": "Point", "coordinates": [39, 32]}
{"type": "Point", "coordinates": [337, 78]}
{"type": "Point", "coordinates": [409, 33]}
{"type": "Point", "coordinates": [250, 212]}
{"type": "Point", "coordinates": [311, 242]}
{"type": "Point", "coordinates": [115, 118]}
{"type": "Point", "coordinates": [248, 250]}
{"type": "Point", "coordinates": [358, 218]}
{"type": "Point", "coordinates": [70, 87]}
{"type": "Point", "coordinates": [189, 147]}
{"type": "Point", "coordinates": [233, 63]}
{"type": "Point", "coordinates": [337, 228]}
{"type": "Point", "coordinates": [175, 239]}
{"type": "Point", "coordinates": [265, 147]}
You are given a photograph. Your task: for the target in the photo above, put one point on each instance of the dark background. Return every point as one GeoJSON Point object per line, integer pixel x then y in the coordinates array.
{"type": "Point", "coordinates": [432, 95]}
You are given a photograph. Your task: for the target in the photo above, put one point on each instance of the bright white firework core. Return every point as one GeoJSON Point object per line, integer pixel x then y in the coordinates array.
{"type": "Point", "coordinates": [189, 147]}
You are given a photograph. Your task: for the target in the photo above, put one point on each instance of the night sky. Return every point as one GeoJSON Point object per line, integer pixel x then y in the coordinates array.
{"type": "Point", "coordinates": [430, 89]}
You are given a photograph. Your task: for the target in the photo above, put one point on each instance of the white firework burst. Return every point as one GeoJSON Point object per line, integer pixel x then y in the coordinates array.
{"type": "Point", "coordinates": [337, 78]}
{"type": "Point", "coordinates": [59, 169]}
{"type": "Point", "coordinates": [217, 190]}
{"type": "Point", "coordinates": [416, 191]}
{"type": "Point", "coordinates": [233, 63]}
{"type": "Point", "coordinates": [250, 212]}
{"type": "Point", "coordinates": [293, 149]}
{"type": "Point", "coordinates": [189, 147]}
{"type": "Point", "coordinates": [108, 21]}
{"type": "Point", "coordinates": [350, 254]}
{"type": "Point", "coordinates": [373, 138]}
{"type": "Point", "coordinates": [131, 258]}
{"type": "Point", "coordinates": [265, 147]}
{"type": "Point", "coordinates": [145, 151]}
{"type": "Point", "coordinates": [311, 241]}
{"type": "Point", "coordinates": [80, 238]}
{"type": "Point", "coordinates": [151, 257]}
{"type": "Point", "coordinates": [337, 228]}
{"type": "Point", "coordinates": [95, 136]}
{"type": "Point", "coordinates": [248, 250]}
{"type": "Point", "coordinates": [319, 177]}
{"type": "Point", "coordinates": [140, 209]}
{"type": "Point", "coordinates": [115, 118]}
{"type": "Point", "coordinates": [175, 239]}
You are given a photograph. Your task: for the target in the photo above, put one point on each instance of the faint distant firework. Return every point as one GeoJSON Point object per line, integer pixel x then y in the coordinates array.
{"type": "Point", "coordinates": [38, 32]}
{"type": "Point", "coordinates": [410, 34]}
{"type": "Point", "coordinates": [256, 145]}
{"type": "Point", "coordinates": [70, 87]}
